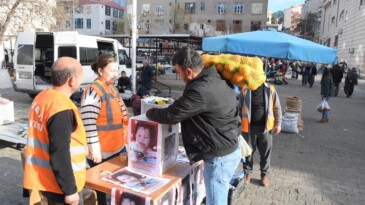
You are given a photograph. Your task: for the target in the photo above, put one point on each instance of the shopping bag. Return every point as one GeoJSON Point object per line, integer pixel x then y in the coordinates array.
{"type": "Point", "coordinates": [323, 106]}
{"type": "Point", "coordinates": [245, 148]}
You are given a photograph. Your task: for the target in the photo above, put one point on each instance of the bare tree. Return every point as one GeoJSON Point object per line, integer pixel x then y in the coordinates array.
{"type": "Point", "coordinates": [25, 15]}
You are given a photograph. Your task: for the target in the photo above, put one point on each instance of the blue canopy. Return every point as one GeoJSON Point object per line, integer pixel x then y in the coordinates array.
{"type": "Point", "coordinates": [271, 43]}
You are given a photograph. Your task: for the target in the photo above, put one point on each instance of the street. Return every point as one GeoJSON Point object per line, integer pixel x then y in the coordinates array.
{"type": "Point", "coordinates": [324, 164]}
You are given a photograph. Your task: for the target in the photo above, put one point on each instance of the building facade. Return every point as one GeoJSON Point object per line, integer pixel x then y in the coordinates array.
{"type": "Point", "coordinates": [97, 17]}
{"type": "Point", "coordinates": [343, 27]}
{"type": "Point", "coordinates": [292, 16]}
{"type": "Point", "coordinates": [201, 17]}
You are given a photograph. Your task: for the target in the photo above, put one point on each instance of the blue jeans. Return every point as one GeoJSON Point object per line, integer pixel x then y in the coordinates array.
{"type": "Point", "coordinates": [218, 171]}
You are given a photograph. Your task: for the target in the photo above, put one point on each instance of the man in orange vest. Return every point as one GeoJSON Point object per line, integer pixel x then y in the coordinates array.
{"type": "Point", "coordinates": [55, 155]}
{"type": "Point", "coordinates": [261, 116]}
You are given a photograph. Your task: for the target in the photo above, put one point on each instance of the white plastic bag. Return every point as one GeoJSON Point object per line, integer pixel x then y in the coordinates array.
{"type": "Point", "coordinates": [290, 123]}
{"type": "Point", "coordinates": [323, 106]}
{"type": "Point", "coordinates": [245, 148]}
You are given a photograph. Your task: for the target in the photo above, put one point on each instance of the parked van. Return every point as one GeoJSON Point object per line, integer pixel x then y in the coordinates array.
{"type": "Point", "coordinates": [35, 53]}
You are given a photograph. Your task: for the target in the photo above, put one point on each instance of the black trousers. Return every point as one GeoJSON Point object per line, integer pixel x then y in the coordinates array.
{"type": "Point", "coordinates": [262, 141]}
{"type": "Point", "coordinates": [59, 199]}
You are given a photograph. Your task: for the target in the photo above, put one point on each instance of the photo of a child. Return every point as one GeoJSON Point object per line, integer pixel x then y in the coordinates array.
{"type": "Point", "coordinates": [143, 144]}
{"type": "Point", "coordinates": [130, 199]}
{"type": "Point", "coordinates": [169, 147]}
{"type": "Point", "coordinates": [135, 181]}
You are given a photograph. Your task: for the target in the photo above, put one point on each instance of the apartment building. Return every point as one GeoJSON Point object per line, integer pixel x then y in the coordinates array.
{"type": "Point", "coordinates": [291, 17]}
{"type": "Point", "coordinates": [97, 17]}
{"type": "Point", "coordinates": [201, 17]}
{"type": "Point", "coordinates": [343, 27]}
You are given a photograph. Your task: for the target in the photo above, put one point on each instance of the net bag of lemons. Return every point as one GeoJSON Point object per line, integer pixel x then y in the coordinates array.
{"type": "Point", "coordinates": [242, 71]}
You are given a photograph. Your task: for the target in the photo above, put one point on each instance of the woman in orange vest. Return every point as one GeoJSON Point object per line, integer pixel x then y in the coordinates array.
{"type": "Point", "coordinates": [104, 115]}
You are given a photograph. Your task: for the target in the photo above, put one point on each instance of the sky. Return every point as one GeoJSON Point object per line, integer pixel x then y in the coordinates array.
{"type": "Point", "coordinates": [277, 5]}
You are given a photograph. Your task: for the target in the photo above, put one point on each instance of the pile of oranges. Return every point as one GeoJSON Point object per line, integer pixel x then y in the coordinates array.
{"type": "Point", "coordinates": [242, 71]}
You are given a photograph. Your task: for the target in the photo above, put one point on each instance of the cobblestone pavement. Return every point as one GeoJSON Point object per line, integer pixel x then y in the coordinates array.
{"type": "Point", "coordinates": [325, 164]}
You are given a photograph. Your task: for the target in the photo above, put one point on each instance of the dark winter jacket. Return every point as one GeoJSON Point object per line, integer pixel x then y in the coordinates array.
{"type": "Point", "coordinates": [326, 86]}
{"type": "Point", "coordinates": [337, 74]}
{"type": "Point", "coordinates": [209, 117]}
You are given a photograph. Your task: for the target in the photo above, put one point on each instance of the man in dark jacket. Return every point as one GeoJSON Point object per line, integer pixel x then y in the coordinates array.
{"type": "Point", "coordinates": [337, 75]}
{"type": "Point", "coordinates": [210, 122]}
{"type": "Point", "coordinates": [147, 75]}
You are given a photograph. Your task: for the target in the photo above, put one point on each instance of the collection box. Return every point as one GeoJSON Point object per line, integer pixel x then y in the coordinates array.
{"type": "Point", "coordinates": [7, 113]}
{"type": "Point", "coordinates": [153, 147]}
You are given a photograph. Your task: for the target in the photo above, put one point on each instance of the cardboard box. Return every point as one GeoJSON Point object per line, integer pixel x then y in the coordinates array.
{"type": "Point", "coordinates": [153, 147]}
{"type": "Point", "coordinates": [7, 113]}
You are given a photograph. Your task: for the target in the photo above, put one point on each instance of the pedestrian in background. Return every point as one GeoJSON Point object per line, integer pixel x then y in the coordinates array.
{"type": "Point", "coordinates": [104, 115]}
{"type": "Point", "coordinates": [350, 82]}
{"type": "Point", "coordinates": [312, 74]}
{"type": "Point", "coordinates": [147, 75]}
{"type": "Point", "coordinates": [260, 110]}
{"type": "Point", "coordinates": [55, 153]}
{"type": "Point", "coordinates": [209, 120]}
{"type": "Point", "coordinates": [337, 75]}
{"type": "Point", "coordinates": [305, 74]}
{"type": "Point", "coordinates": [326, 92]}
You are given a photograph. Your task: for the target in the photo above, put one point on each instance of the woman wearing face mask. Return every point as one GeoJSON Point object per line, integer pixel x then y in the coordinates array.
{"type": "Point", "coordinates": [104, 115]}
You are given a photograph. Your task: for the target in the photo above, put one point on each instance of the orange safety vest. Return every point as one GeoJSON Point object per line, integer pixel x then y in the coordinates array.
{"type": "Point", "coordinates": [38, 173]}
{"type": "Point", "coordinates": [246, 115]}
{"type": "Point", "coordinates": [112, 125]}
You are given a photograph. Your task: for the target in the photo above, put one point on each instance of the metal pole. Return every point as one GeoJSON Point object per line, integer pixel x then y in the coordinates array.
{"type": "Point", "coordinates": [134, 42]}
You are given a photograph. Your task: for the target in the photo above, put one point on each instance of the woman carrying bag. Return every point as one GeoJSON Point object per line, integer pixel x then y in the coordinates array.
{"type": "Point", "coordinates": [326, 91]}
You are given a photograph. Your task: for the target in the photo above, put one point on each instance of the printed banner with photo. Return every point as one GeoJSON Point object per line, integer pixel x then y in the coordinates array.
{"type": "Point", "coordinates": [168, 198]}
{"type": "Point", "coordinates": [143, 155]}
{"type": "Point", "coordinates": [184, 191]}
{"type": "Point", "coordinates": [135, 181]}
{"type": "Point", "coordinates": [120, 197]}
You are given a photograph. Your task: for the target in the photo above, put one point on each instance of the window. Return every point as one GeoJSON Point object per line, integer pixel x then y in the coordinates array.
{"type": "Point", "coordinates": [121, 13]}
{"type": "Point", "coordinates": [255, 25]}
{"type": "Point", "coordinates": [88, 55]}
{"type": "Point", "coordinates": [333, 20]}
{"type": "Point", "coordinates": [222, 8]}
{"type": "Point", "coordinates": [88, 23]}
{"type": "Point", "coordinates": [115, 13]}
{"type": "Point", "coordinates": [79, 23]}
{"type": "Point", "coordinates": [238, 7]}
{"type": "Point", "coordinates": [256, 8]}
{"type": "Point", "coordinates": [160, 9]}
{"type": "Point", "coordinates": [190, 8]}
{"type": "Point", "coordinates": [334, 1]}
{"type": "Point", "coordinates": [202, 6]}
{"type": "Point", "coordinates": [336, 41]}
{"type": "Point", "coordinates": [160, 21]}
{"type": "Point", "coordinates": [362, 2]}
{"type": "Point", "coordinates": [25, 55]}
{"type": "Point", "coordinates": [114, 26]}
{"type": "Point", "coordinates": [67, 51]}
{"type": "Point", "coordinates": [186, 26]}
{"type": "Point", "coordinates": [328, 42]}
{"type": "Point", "coordinates": [107, 10]}
{"type": "Point", "coordinates": [221, 25]}
{"type": "Point", "coordinates": [107, 24]}
{"type": "Point", "coordinates": [237, 26]}
{"type": "Point", "coordinates": [342, 14]}
{"type": "Point", "coordinates": [145, 8]}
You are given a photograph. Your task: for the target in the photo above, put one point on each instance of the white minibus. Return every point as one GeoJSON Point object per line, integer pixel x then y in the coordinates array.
{"type": "Point", "coordinates": [35, 53]}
